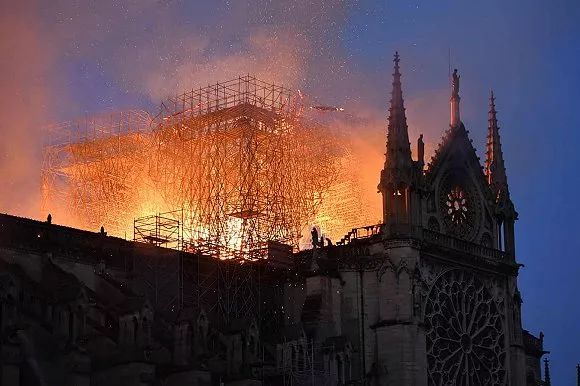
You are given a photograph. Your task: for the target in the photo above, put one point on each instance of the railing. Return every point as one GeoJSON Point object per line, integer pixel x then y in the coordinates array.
{"type": "Point", "coordinates": [360, 233]}
{"type": "Point", "coordinates": [428, 237]}
{"type": "Point", "coordinates": [441, 240]}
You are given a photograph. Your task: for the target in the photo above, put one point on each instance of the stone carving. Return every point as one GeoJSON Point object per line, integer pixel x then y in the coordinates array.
{"type": "Point", "coordinates": [460, 206]}
{"type": "Point", "coordinates": [464, 331]}
{"type": "Point", "coordinates": [455, 83]}
{"type": "Point", "coordinates": [388, 265]}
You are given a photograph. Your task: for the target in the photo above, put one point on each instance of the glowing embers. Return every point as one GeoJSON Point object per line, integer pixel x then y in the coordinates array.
{"type": "Point", "coordinates": [237, 160]}
{"type": "Point", "coordinates": [457, 205]}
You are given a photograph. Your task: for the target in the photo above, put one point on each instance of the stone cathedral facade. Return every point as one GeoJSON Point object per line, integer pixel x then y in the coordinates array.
{"type": "Point", "coordinates": [430, 297]}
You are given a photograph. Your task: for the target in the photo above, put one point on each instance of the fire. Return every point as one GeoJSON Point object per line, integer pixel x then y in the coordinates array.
{"type": "Point", "coordinates": [235, 163]}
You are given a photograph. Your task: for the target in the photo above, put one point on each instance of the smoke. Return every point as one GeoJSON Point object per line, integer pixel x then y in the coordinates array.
{"type": "Point", "coordinates": [26, 94]}
{"type": "Point", "coordinates": [145, 51]}
{"type": "Point", "coordinates": [161, 48]}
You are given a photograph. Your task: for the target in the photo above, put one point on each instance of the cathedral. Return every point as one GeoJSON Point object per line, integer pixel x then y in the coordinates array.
{"type": "Point", "coordinates": [427, 297]}
{"type": "Point", "coordinates": [430, 297]}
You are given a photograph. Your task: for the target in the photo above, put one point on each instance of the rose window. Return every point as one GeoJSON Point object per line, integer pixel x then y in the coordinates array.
{"type": "Point", "coordinates": [464, 331]}
{"type": "Point", "coordinates": [460, 206]}
{"type": "Point", "coordinates": [456, 205]}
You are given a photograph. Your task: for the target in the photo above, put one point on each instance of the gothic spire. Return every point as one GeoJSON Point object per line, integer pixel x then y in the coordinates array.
{"type": "Point", "coordinates": [547, 381]}
{"type": "Point", "coordinates": [494, 163]}
{"type": "Point", "coordinates": [398, 155]}
{"type": "Point", "coordinates": [399, 173]}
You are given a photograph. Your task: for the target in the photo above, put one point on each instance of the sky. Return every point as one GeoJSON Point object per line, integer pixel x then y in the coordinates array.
{"type": "Point", "coordinates": [65, 59]}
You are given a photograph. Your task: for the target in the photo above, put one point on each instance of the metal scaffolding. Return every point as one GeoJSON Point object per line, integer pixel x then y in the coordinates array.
{"type": "Point", "coordinates": [162, 230]}
{"type": "Point", "coordinates": [236, 157]}
{"type": "Point", "coordinates": [227, 173]}
{"type": "Point", "coordinates": [89, 167]}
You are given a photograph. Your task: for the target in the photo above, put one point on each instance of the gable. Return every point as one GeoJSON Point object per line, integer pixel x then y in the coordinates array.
{"type": "Point", "coordinates": [459, 198]}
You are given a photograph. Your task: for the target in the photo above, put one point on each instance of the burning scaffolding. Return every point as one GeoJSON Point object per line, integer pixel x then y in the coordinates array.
{"type": "Point", "coordinates": [237, 160]}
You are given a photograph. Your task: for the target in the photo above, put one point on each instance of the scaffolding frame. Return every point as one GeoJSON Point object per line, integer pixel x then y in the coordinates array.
{"type": "Point", "coordinates": [89, 165]}
{"type": "Point", "coordinates": [227, 168]}
{"type": "Point", "coordinates": [161, 229]}
{"type": "Point", "coordinates": [237, 157]}
{"type": "Point", "coordinates": [245, 90]}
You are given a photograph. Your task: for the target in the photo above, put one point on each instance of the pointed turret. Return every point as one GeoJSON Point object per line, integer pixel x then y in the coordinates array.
{"type": "Point", "coordinates": [547, 381]}
{"type": "Point", "coordinates": [399, 174]}
{"type": "Point", "coordinates": [494, 163]}
{"type": "Point", "coordinates": [398, 153]}
{"type": "Point", "coordinates": [497, 179]}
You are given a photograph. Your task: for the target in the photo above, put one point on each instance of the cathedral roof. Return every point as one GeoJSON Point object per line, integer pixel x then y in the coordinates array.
{"type": "Point", "coordinates": [453, 138]}
{"type": "Point", "coordinates": [456, 141]}
{"type": "Point", "coordinates": [55, 284]}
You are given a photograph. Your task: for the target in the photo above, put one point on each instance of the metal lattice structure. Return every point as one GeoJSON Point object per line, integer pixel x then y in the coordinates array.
{"type": "Point", "coordinates": [236, 160]}
{"type": "Point", "coordinates": [89, 166]}
{"type": "Point", "coordinates": [258, 173]}
{"type": "Point", "coordinates": [161, 229]}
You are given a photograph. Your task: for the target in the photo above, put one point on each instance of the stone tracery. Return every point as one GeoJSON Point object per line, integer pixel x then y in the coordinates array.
{"type": "Point", "coordinates": [464, 330]}
{"type": "Point", "coordinates": [460, 206]}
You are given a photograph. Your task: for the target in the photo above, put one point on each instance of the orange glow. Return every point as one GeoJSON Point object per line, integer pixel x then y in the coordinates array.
{"type": "Point", "coordinates": [243, 168]}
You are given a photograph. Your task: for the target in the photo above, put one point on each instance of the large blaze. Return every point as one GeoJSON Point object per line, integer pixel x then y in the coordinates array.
{"type": "Point", "coordinates": [236, 163]}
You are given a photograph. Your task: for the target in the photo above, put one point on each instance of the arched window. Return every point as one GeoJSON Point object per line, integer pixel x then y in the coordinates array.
{"type": "Point", "coordinates": [486, 240]}
{"type": "Point", "coordinates": [135, 329]}
{"type": "Point", "coordinates": [189, 339]}
{"type": "Point", "coordinates": [80, 327]}
{"type": "Point", "coordinates": [500, 236]}
{"type": "Point", "coordinates": [201, 330]}
{"type": "Point", "coordinates": [146, 331]}
{"type": "Point", "coordinates": [301, 362]}
{"type": "Point", "coordinates": [251, 344]}
{"type": "Point", "coordinates": [71, 324]}
{"type": "Point", "coordinates": [348, 368]}
{"type": "Point", "coordinates": [339, 370]}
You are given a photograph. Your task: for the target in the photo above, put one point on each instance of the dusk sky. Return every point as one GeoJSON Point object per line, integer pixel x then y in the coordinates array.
{"type": "Point", "coordinates": [63, 59]}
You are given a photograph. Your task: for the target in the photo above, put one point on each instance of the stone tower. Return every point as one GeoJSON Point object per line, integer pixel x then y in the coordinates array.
{"type": "Point", "coordinates": [400, 178]}
{"type": "Point", "coordinates": [430, 296]}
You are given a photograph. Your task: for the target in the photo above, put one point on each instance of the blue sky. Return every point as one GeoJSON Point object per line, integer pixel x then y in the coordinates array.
{"type": "Point", "coordinates": [70, 58]}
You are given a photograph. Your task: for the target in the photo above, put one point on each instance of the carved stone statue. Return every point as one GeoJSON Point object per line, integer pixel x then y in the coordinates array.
{"type": "Point", "coordinates": [455, 83]}
{"type": "Point", "coordinates": [315, 241]}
